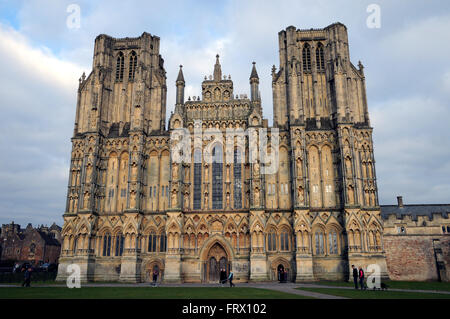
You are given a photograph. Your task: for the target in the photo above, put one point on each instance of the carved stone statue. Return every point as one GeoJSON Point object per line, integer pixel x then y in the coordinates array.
{"type": "Point", "coordinates": [133, 199]}
{"type": "Point", "coordinates": [186, 200]}
{"type": "Point", "coordinates": [300, 195]}
{"type": "Point", "coordinates": [256, 194]}
{"type": "Point", "coordinates": [175, 171]}
{"type": "Point", "coordinates": [206, 201]}
{"type": "Point", "coordinates": [87, 196]}
{"type": "Point", "coordinates": [134, 171]}
{"type": "Point", "coordinates": [206, 172]}
{"type": "Point", "coordinates": [256, 168]}
{"type": "Point", "coordinates": [174, 199]}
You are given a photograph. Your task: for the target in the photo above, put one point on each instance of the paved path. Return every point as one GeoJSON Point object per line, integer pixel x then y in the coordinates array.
{"type": "Point", "coordinates": [285, 287]}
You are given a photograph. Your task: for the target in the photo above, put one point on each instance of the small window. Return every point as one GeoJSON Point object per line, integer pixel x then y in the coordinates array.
{"type": "Point", "coordinates": [401, 229]}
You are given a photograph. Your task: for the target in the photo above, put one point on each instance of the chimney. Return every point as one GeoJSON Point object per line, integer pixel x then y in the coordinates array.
{"type": "Point", "coordinates": [400, 201]}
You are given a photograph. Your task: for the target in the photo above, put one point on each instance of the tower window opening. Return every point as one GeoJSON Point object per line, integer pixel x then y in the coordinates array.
{"type": "Point", "coordinates": [119, 67]}
{"type": "Point", "coordinates": [133, 64]}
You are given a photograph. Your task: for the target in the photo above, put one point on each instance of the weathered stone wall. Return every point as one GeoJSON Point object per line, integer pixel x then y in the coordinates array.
{"type": "Point", "coordinates": [412, 257]}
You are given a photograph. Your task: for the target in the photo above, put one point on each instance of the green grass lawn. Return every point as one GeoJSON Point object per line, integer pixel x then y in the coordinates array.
{"type": "Point", "coordinates": [144, 293]}
{"type": "Point", "coordinates": [371, 294]}
{"type": "Point", "coordinates": [413, 285]}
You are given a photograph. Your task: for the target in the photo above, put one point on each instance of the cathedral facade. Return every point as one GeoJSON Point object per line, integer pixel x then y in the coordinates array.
{"type": "Point", "coordinates": [133, 208]}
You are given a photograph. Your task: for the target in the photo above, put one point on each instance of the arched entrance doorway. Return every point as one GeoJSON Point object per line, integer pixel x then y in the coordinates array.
{"type": "Point", "coordinates": [216, 260]}
{"type": "Point", "coordinates": [281, 270]}
{"type": "Point", "coordinates": [149, 270]}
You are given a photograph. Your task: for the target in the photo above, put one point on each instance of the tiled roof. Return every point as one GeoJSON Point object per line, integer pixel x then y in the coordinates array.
{"type": "Point", "coordinates": [415, 210]}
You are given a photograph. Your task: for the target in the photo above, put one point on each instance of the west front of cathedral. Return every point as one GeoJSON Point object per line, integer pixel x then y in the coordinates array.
{"type": "Point", "coordinates": [132, 209]}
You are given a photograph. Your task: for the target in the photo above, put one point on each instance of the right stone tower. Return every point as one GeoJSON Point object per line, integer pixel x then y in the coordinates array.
{"type": "Point", "coordinates": [319, 101]}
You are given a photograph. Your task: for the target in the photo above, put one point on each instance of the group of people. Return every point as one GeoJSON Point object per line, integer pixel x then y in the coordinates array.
{"type": "Point", "coordinates": [282, 275]}
{"type": "Point", "coordinates": [358, 275]}
{"type": "Point", "coordinates": [224, 278]}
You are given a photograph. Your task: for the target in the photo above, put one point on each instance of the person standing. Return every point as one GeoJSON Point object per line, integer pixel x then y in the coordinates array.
{"type": "Point", "coordinates": [224, 276]}
{"type": "Point", "coordinates": [355, 276]}
{"type": "Point", "coordinates": [361, 278]}
{"type": "Point", "coordinates": [155, 277]}
{"type": "Point", "coordinates": [230, 278]}
{"type": "Point", "coordinates": [27, 278]}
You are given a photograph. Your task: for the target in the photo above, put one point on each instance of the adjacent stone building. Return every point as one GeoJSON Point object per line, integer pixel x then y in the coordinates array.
{"type": "Point", "coordinates": [132, 208]}
{"type": "Point", "coordinates": [417, 241]}
{"type": "Point", "coordinates": [33, 245]}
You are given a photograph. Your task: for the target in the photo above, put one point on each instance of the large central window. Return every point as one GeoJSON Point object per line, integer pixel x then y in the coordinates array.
{"type": "Point", "coordinates": [217, 176]}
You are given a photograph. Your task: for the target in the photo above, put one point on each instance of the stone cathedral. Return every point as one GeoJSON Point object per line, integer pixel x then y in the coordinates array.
{"type": "Point", "coordinates": [132, 210]}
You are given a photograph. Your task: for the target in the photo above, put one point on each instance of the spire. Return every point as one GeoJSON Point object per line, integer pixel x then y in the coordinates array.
{"type": "Point", "coordinates": [254, 84]}
{"type": "Point", "coordinates": [180, 87]}
{"type": "Point", "coordinates": [180, 77]}
{"type": "Point", "coordinates": [217, 70]}
{"type": "Point", "coordinates": [254, 74]}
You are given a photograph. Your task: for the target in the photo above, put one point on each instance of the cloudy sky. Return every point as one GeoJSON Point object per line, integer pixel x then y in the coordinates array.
{"type": "Point", "coordinates": [406, 61]}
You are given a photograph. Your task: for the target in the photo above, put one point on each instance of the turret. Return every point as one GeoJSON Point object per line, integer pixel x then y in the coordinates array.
{"type": "Point", "coordinates": [180, 87]}
{"type": "Point", "coordinates": [254, 84]}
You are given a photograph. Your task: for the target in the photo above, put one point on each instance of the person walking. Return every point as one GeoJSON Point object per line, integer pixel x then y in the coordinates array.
{"type": "Point", "coordinates": [230, 278]}
{"type": "Point", "coordinates": [155, 277]}
{"type": "Point", "coordinates": [361, 278]}
{"type": "Point", "coordinates": [355, 276]}
{"type": "Point", "coordinates": [27, 278]}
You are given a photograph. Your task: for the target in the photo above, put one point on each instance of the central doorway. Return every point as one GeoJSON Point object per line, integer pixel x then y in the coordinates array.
{"type": "Point", "coordinates": [216, 261]}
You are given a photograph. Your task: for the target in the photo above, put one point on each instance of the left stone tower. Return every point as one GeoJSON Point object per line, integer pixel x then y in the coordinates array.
{"type": "Point", "coordinates": [120, 104]}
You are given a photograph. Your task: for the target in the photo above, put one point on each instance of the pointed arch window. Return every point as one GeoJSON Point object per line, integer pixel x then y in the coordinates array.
{"type": "Point", "coordinates": [119, 67]}
{"type": "Point", "coordinates": [284, 241]}
{"type": "Point", "coordinates": [306, 56]}
{"type": "Point", "coordinates": [320, 58]}
{"type": "Point", "coordinates": [197, 179]}
{"type": "Point", "coordinates": [237, 170]}
{"type": "Point", "coordinates": [107, 244]}
{"type": "Point", "coordinates": [133, 64]}
{"type": "Point", "coordinates": [152, 240]}
{"type": "Point", "coordinates": [163, 242]}
{"type": "Point", "coordinates": [75, 242]}
{"type": "Point", "coordinates": [272, 240]}
{"type": "Point", "coordinates": [332, 240]}
{"type": "Point", "coordinates": [217, 177]}
{"type": "Point", "coordinates": [119, 244]}
{"type": "Point", "coordinates": [319, 243]}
